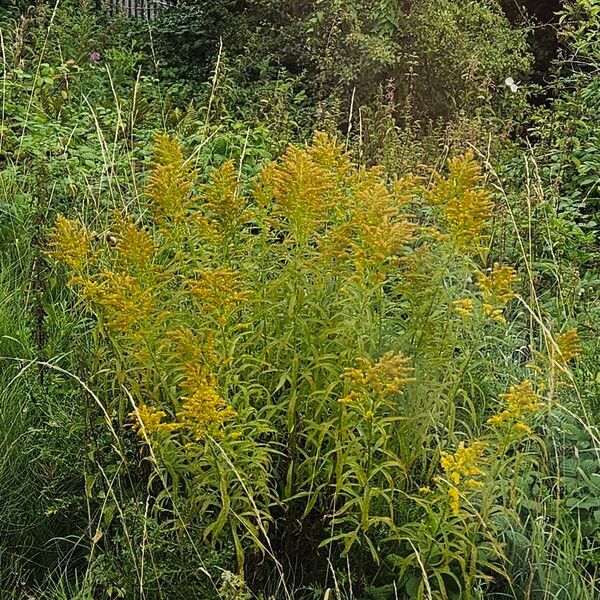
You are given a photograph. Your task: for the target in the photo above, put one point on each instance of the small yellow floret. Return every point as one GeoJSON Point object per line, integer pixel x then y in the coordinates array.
{"type": "Point", "coordinates": [521, 401]}
{"type": "Point", "coordinates": [464, 307]}
{"type": "Point", "coordinates": [70, 243]}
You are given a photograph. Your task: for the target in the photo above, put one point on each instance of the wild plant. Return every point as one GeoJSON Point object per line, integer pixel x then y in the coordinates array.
{"type": "Point", "coordinates": [299, 350]}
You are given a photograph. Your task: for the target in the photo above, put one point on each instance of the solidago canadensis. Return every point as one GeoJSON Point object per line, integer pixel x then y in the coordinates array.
{"type": "Point", "coordinates": [463, 471]}
{"type": "Point", "coordinates": [286, 342]}
{"type": "Point", "coordinates": [568, 346]}
{"type": "Point", "coordinates": [465, 204]}
{"type": "Point", "coordinates": [71, 244]}
{"type": "Point", "coordinates": [522, 401]}
{"type": "Point", "coordinates": [497, 288]}
{"type": "Point", "coordinates": [170, 182]}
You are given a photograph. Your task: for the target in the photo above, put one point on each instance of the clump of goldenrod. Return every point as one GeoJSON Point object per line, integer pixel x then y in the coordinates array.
{"type": "Point", "coordinates": [568, 346]}
{"type": "Point", "coordinates": [388, 376]}
{"type": "Point", "coordinates": [463, 468]}
{"type": "Point", "coordinates": [71, 244]}
{"type": "Point", "coordinates": [134, 244]}
{"type": "Point", "coordinates": [497, 289]}
{"type": "Point", "coordinates": [202, 412]}
{"type": "Point", "coordinates": [170, 181]}
{"type": "Point", "coordinates": [380, 230]}
{"type": "Point", "coordinates": [563, 348]}
{"type": "Point", "coordinates": [466, 205]}
{"type": "Point", "coordinates": [522, 401]}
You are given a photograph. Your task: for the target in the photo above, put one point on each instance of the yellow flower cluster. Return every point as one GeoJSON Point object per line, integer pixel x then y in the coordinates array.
{"type": "Point", "coordinates": [466, 205]}
{"type": "Point", "coordinates": [462, 469]}
{"type": "Point", "coordinates": [330, 155]}
{"type": "Point", "coordinates": [568, 346]}
{"type": "Point", "coordinates": [464, 307]}
{"type": "Point", "coordinates": [223, 198]}
{"type": "Point", "coordinates": [522, 401]}
{"type": "Point", "coordinates": [123, 304]}
{"type": "Point", "coordinates": [497, 290]}
{"type": "Point", "coordinates": [563, 348]}
{"type": "Point", "coordinates": [170, 182]}
{"type": "Point", "coordinates": [388, 376]}
{"type": "Point", "coordinates": [191, 350]}
{"type": "Point", "coordinates": [218, 290]}
{"type": "Point", "coordinates": [302, 187]}
{"type": "Point", "coordinates": [204, 410]}
{"type": "Point", "coordinates": [133, 243]}
{"type": "Point", "coordinates": [71, 244]}
{"type": "Point", "coordinates": [377, 230]}
{"type": "Point", "coordinates": [148, 421]}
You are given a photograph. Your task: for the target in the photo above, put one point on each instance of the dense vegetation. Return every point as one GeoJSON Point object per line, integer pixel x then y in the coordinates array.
{"type": "Point", "coordinates": [299, 300]}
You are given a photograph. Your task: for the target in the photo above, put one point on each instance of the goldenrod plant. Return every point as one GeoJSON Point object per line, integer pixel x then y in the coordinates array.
{"type": "Point", "coordinates": [240, 359]}
{"type": "Point", "coordinates": [298, 348]}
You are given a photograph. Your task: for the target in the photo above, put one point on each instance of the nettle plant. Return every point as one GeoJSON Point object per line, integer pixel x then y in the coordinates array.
{"type": "Point", "coordinates": [304, 347]}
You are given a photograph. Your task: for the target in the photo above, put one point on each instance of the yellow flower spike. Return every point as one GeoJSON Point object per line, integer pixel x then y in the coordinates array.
{"type": "Point", "coordinates": [71, 243]}
{"type": "Point", "coordinates": [454, 500]}
{"type": "Point", "coordinates": [327, 153]}
{"type": "Point", "coordinates": [134, 244]}
{"type": "Point", "coordinates": [569, 346]}
{"type": "Point", "coordinates": [464, 307]}
{"type": "Point", "coordinates": [379, 229]}
{"type": "Point", "coordinates": [217, 289]}
{"type": "Point", "coordinates": [464, 461]}
{"type": "Point", "coordinates": [121, 301]}
{"type": "Point", "coordinates": [461, 468]}
{"type": "Point", "coordinates": [223, 198]}
{"type": "Point", "coordinates": [387, 376]}
{"type": "Point", "coordinates": [203, 411]}
{"type": "Point", "coordinates": [466, 206]}
{"type": "Point", "coordinates": [522, 401]}
{"type": "Point", "coordinates": [192, 350]}
{"type": "Point", "coordinates": [300, 190]}
{"type": "Point", "coordinates": [170, 182]}
{"type": "Point", "coordinates": [523, 428]}
{"type": "Point", "coordinates": [375, 230]}
{"type": "Point", "coordinates": [497, 290]}
{"type": "Point", "coordinates": [498, 285]}
{"type": "Point", "coordinates": [149, 421]}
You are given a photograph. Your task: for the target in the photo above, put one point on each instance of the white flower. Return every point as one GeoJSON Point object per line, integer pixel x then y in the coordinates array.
{"type": "Point", "coordinates": [510, 82]}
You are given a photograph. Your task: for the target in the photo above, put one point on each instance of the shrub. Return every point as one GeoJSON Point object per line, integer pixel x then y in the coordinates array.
{"type": "Point", "coordinates": [440, 56]}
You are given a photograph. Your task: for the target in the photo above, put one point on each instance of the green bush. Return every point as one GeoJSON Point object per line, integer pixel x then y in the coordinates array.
{"type": "Point", "coordinates": [440, 55]}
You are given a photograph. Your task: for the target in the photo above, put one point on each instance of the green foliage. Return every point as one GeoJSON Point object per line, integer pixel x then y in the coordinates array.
{"type": "Point", "coordinates": [441, 55]}
{"type": "Point", "coordinates": [568, 127]}
{"type": "Point", "coordinates": [266, 369]}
